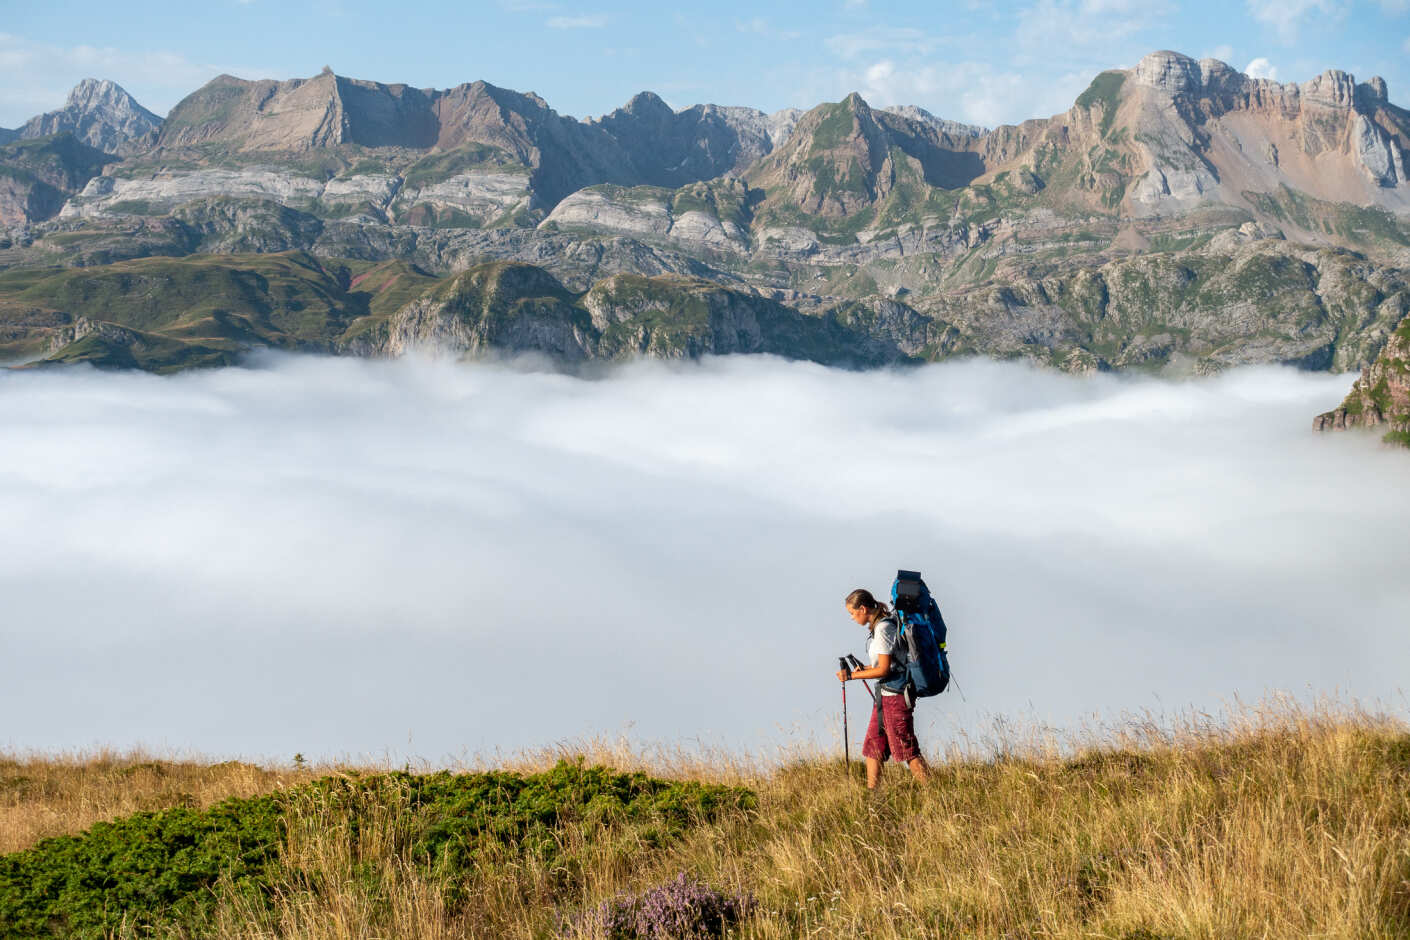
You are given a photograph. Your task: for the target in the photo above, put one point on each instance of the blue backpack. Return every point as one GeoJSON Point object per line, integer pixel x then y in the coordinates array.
{"type": "Point", "coordinates": [922, 629]}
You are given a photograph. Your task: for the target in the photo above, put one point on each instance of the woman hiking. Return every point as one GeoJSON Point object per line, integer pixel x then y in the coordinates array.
{"type": "Point", "coordinates": [891, 732]}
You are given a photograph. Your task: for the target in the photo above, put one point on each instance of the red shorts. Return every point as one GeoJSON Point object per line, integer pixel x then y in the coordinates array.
{"type": "Point", "coordinates": [899, 741]}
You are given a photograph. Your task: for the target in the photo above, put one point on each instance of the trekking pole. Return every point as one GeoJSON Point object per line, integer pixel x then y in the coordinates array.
{"type": "Point", "coordinates": [857, 664]}
{"type": "Point", "coordinates": [846, 745]}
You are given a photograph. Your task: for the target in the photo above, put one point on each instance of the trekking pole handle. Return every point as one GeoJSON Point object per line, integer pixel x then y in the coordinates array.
{"type": "Point", "coordinates": [856, 664]}
{"type": "Point", "coordinates": [842, 664]}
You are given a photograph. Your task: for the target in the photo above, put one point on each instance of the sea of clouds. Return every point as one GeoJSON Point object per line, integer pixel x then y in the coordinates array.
{"type": "Point", "coordinates": [421, 559]}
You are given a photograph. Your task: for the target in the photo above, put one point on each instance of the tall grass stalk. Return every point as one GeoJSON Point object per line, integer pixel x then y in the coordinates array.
{"type": "Point", "coordinates": [1272, 821]}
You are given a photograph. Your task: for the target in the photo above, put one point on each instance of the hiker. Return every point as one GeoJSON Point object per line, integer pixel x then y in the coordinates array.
{"type": "Point", "coordinates": [891, 732]}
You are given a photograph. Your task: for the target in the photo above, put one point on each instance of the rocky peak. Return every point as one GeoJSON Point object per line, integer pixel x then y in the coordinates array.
{"type": "Point", "coordinates": [1333, 88]}
{"type": "Point", "coordinates": [1375, 90]}
{"type": "Point", "coordinates": [944, 126]}
{"type": "Point", "coordinates": [649, 105]}
{"type": "Point", "coordinates": [1217, 76]}
{"type": "Point", "coordinates": [94, 93]}
{"type": "Point", "coordinates": [836, 162]}
{"type": "Point", "coordinates": [267, 115]}
{"type": "Point", "coordinates": [100, 114]}
{"type": "Point", "coordinates": [1169, 72]}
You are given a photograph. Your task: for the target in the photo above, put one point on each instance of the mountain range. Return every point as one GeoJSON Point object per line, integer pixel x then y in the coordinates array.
{"type": "Point", "coordinates": [1179, 217]}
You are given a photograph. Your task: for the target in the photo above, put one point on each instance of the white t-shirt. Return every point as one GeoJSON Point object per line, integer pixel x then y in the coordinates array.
{"type": "Point", "coordinates": [886, 639]}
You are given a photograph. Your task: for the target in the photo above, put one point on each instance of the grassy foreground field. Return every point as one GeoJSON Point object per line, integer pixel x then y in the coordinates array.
{"type": "Point", "coordinates": [1274, 823]}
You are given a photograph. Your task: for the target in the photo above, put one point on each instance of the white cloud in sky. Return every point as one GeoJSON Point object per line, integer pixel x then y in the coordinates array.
{"type": "Point", "coordinates": [1224, 53]}
{"type": "Point", "coordinates": [1058, 27]}
{"type": "Point", "coordinates": [1285, 17]}
{"type": "Point", "coordinates": [1261, 68]}
{"type": "Point", "coordinates": [972, 92]}
{"type": "Point", "coordinates": [759, 26]}
{"type": "Point", "coordinates": [36, 77]}
{"type": "Point", "coordinates": [343, 557]}
{"type": "Point", "coordinates": [593, 21]}
{"type": "Point", "coordinates": [897, 39]}
{"type": "Point", "coordinates": [1394, 7]}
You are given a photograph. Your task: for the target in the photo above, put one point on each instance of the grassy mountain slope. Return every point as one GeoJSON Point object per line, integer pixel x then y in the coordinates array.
{"type": "Point", "coordinates": [1280, 824]}
{"type": "Point", "coordinates": [1200, 308]}
{"type": "Point", "coordinates": [165, 314]}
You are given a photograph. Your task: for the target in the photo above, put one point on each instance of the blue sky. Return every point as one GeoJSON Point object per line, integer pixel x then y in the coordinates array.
{"type": "Point", "coordinates": [982, 63]}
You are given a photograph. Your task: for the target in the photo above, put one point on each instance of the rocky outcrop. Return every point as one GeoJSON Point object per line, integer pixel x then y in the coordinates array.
{"type": "Point", "coordinates": [37, 177]}
{"type": "Point", "coordinates": [475, 198]}
{"type": "Point", "coordinates": [707, 216]}
{"type": "Point", "coordinates": [100, 114]}
{"type": "Point", "coordinates": [479, 198]}
{"type": "Point", "coordinates": [1380, 397]}
{"type": "Point", "coordinates": [637, 211]}
{"type": "Point", "coordinates": [162, 193]}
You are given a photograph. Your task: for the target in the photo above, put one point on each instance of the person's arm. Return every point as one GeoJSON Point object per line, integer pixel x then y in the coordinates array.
{"type": "Point", "coordinates": [879, 671]}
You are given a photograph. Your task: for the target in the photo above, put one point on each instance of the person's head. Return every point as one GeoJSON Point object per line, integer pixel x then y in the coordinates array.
{"type": "Point", "coordinates": [864, 609]}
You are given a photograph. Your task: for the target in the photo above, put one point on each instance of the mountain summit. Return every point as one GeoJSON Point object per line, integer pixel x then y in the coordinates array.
{"type": "Point", "coordinates": [100, 114]}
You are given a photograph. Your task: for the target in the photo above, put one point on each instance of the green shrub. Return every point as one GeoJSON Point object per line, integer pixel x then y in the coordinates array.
{"type": "Point", "coordinates": [159, 868]}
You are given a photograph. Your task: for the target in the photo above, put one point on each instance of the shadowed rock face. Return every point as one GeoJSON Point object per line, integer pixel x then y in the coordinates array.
{"type": "Point", "coordinates": [1380, 397]}
{"type": "Point", "coordinates": [41, 175]}
{"type": "Point", "coordinates": [99, 114]}
{"type": "Point", "coordinates": [670, 148]}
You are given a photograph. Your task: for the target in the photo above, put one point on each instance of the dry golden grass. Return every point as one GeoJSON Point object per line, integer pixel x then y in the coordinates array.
{"type": "Point", "coordinates": [1277, 822]}
{"type": "Point", "coordinates": [49, 795]}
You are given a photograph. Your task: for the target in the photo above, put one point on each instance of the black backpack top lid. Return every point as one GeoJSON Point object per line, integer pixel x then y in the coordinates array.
{"type": "Point", "coordinates": [908, 594]}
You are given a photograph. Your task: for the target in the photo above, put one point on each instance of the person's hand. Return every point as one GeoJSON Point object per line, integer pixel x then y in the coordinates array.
{"type": "Point", "coordinates": [842, 675]}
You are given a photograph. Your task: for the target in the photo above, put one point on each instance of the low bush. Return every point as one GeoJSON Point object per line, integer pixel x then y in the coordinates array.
{"type": "Point", "coordinates": [164, 867]}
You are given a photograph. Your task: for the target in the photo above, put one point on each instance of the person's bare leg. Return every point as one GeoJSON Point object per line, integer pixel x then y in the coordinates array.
{"type": "Point", "coordinates": [873, 773]}
{"type": "Point", "coordinates": [920, 769]}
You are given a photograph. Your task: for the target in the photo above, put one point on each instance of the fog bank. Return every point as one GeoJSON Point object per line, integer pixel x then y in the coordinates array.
{"type": "Point", "coordinates": [351, 558]}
